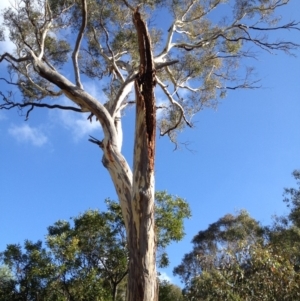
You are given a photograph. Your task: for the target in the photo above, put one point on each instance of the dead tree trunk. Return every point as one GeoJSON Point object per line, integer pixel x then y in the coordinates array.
{"type": "Point", "coordinates": [142, 283]}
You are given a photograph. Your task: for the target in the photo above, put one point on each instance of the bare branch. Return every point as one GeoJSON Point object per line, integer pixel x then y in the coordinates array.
{"type": "Point", "coordinates": [284, 46]}
{"type": "Point", "coordinates": [241, 86]}
{"type": "Point", "coordinates": [172, 78]}
{"type": "Point", "coordinates": [168, 46]}
{"type": "Point", "coordinates": [6, 55]}
{"type": "Point", "coordinates": [8, 82]}
{"type": "Point", "coordinates": [44, 31]}
{"type": "Point", "coordinates": [112, 60]}
{"type": "Point", "coordinates": [291, 25]}
{"type": "Point", "coordinates": [258, 41]}
{"type": "Point", "coordinates": [246, 84]}
{"type": "Point", "coordinates": [165, 64]}
{"type": "Point", "coordinates": [174, 102]}
{"type": "Point", "coordinates": [78, 42]}
{"type": "Point", "coordinates": [123, 91]}
{"type": "Point", "coordinates": [8, 104]}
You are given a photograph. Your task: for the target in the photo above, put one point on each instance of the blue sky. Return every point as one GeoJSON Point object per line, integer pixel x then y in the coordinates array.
{"type": "Point", "coordinates": [242, 157]}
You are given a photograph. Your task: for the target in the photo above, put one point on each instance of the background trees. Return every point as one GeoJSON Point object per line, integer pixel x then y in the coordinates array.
{"type": "Point", "coordinates": [6, 282]}
{"type": "Point", "coordinates": [86, 259]}
{"type": "Point", "coordinates": [236, 258]}
{"type": "Point", "coordinates": [169, 292]}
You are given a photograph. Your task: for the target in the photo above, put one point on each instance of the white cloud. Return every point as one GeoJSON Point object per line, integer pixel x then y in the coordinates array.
{"type": "Point", "coordinates": [161, 101]}
{"type": "Point", "coordinates": [25, 133]}
{"type": "Point", "coordinates": [77, 123]}
{"type": "Point", "coordinates": [164, 276]}
{"type": "Point", "coordinates": [93, 88]}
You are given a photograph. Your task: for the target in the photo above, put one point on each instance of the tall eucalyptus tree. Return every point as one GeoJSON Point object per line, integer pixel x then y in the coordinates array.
{"type": "Point", "coordinates": [193, 63]}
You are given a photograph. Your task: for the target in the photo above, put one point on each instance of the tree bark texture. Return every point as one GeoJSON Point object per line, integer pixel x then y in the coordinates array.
{"type": "Point", "coordinates": [142, 282]}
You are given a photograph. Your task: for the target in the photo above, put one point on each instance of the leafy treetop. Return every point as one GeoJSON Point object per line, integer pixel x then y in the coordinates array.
{"type": "Point", "coordinates": [196, 58]}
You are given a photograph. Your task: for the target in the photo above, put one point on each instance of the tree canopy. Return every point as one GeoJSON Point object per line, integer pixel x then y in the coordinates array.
{"type": "Point", "coordinates": [236, 258]}
{"type": "Point", "coordinates": [197, 59]}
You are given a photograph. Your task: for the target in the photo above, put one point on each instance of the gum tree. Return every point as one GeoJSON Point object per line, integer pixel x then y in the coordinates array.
{"type": "Point", "coordinates": [193, 63]}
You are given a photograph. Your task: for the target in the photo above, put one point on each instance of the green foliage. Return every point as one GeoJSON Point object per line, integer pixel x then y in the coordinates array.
{"type": "Point", "coordinates": [284, 233]}
{"type": "Point", "coordinates": [238, 259]}
{"type": "Point", "coordinates": [226, 239]}
{"type": "Point", "coordinates": [31, 271]}
{"type": "Point", "coordinates": [7, 283]}
{"type": "Point", "coordinates": [92, 253]}
{"type": "Point", "coordinates": [86, 259]}
{"type": "Point", "coordinates": [265, 275]}
{"type": "Point", "coordinates": [57, 50]}
{"type": "Point", "coordinates": [292, 198]}
{"type": "Point", "coordinates": [170, 213]}
{"type": "Point", "coordinates": [169, 292]}
{"type": "Point", "coordinates": [5, 274]}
